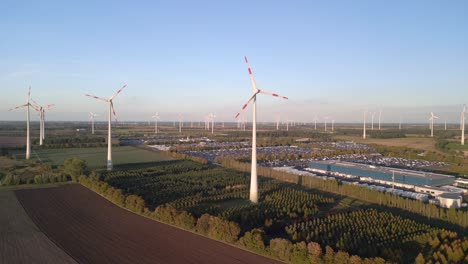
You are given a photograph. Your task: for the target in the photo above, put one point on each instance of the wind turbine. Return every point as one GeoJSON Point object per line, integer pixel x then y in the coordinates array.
{"type": "Point", "coordinates": [364, 128]}
{"type": "Point", "coordinates": [180, 123]}
{"type": "Point", "coordinates": [325, 119]}
{"type": "Point", "coordinates": [315, 122]}
{"type": "Point", "coordinates": [333, 124]}
{"type": "Point", "coordinates": [399, 126]}
{"type": "Point", "coordinates": [28, 140]}
{"type": "Point", "coordinates": [91, 118]}
{"type": "Point", "coordinates": [41, 113]}
{"type": "Point", "coordinates": [432, 123]}
{"type": "Point", "coordinates": [109, 130]}
{"type": "Point", "coordinates": [278, 119]}
{"type": "Point", "coordinates": [463, 125]}
{"type": "Point", "coordinates": [212, 117]}
{"type": "Point", "coordinates": [156, 118]}
{"type": "Point", "coordinates": [255, 91]}
{"type": "Point", "coordinates": [372, 118]}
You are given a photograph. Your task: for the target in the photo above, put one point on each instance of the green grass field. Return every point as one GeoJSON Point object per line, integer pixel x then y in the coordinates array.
{"type": "Point", "coordinates": [96, 157]}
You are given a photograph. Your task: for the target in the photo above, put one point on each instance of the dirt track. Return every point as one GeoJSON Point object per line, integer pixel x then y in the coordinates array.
{"type": "Point", "coordinates": [93, 230]}
{"type": "Point", "coordinates": [20, 240]}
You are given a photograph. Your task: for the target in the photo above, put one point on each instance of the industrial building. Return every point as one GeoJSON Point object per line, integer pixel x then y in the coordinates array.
{"type": "Point", "coordinates": [383, 175]}
{"type": "Point", "coordinates": [448, 200]}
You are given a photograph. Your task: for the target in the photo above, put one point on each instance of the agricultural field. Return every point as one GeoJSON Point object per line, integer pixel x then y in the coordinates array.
{"type": "Point", "coordinates": [94, 230]}
{"type": "Point", "coordinates": [96, 157]}
{"type": "Point", "coordinates": [284, 210]}
{"type": "Point", "coordinates": [21, 241]}
{"type": "Point", "coordinates": [7, 141]}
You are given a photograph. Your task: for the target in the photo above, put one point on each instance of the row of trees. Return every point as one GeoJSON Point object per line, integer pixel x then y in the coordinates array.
{"type": "Point", "coordinates": [363, 232]}
{"type": "Point", "coordinates": [42, 174]}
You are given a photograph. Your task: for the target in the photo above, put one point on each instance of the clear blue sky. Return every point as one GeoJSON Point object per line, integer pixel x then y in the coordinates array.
{"type": "Point", "coordinates": [331, 58]}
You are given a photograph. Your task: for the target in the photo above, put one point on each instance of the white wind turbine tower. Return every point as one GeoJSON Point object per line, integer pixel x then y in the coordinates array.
{"type": "Point", "coordinates": [207, 122]}
{"type": "Point", "coordinates": [325, 119]}
{"type": "Point", "coordinates": [333, 124]}
{"type": "Point", "coordinates": [156, 118]}
{"type": "Point", "coordinates": [28, 140]}
{"type": "Point", "coordinates": [399, 125]}
{"type": "Point", "coordinates": [463, 125]}
{"type": "Point", "coordinates": [278, 119]}
{"type": "Point", "coordinates": [212, 118]}
{"type": "Point", "coordinates": [364, 128]}
{"type": "Point", "coordinates": [41, 112]}
{"type": "Point", "coordinates": [109, 130]}
{"type": "Point", "coordinates": [180, 123]}
{"type": "Point", "coordinates": [431, 119]}
{"type": "Point", "coordinates": [91, 118]}
{"type": "Point", "coordinates": [380, 116]}
{"type": "Point", "coordinates": [372, 118]}
{"type": "Point", "coordinates": [315, 122]}
{"type": "Point", "coordinates": [253, 173]}
{"type": "Point", "coordinates": [445, 123]}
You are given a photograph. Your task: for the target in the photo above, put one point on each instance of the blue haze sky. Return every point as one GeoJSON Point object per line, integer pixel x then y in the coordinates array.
{"type": "Point", "coordinates": [331, 58]}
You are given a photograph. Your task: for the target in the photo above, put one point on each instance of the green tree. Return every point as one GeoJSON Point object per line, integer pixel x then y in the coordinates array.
{"type": "Point", "coordinates": [281, 248]}
{"type": "Point", "coordinates": [315, 252]}
{"type": "Point", "coordinates": [74, 167]}
{"type": "Point", "coordinates": [419, 259]}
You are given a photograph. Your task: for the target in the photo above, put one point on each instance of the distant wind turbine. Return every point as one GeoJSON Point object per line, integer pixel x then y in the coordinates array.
{"type": "Point", "coordinates": [41, 112]}
{"type": "Point", "coordinates": [253, 99]}
{"type": "Point", "coordinates": [109, 130]}
{"type": "Point", "coordinates": [212, 118]}
{"type": "Point", "coordinates": [431, 119]}
{"type": "Point", "coordinates": [180, 123]}
{"type": "Point", "coordinates": [364, 128]}
{"type": "Point", "coordinates": [156, 118]}
{"type": "Point", "coordinates": [28, 140]}
{"type": "Point", "coordinates": [91, 118]}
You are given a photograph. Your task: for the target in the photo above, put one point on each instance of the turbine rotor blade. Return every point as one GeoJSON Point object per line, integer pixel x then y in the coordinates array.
{"type": "Point", "coordinates": [245, 105]}
{"type": "Point", "coordinates": [117, 93]}
{"type": "Point", "coordinates": [252, 80]}
{"type": "Point", "coordinates": [113, 111]}
{"type": "Point", "coordinates": [96, 97]}
{"type": "Point", "coordinates": [19, 106]}
{"type": "Point", "coordinates": [273, 94]}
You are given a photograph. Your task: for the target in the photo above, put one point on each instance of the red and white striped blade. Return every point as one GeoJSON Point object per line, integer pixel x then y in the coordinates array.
{"type": "Point", "coordinates": [245, 105]}
{"type": "Point", "coordinates": [37, 108]}
{"type": "Point", "coordinates": [19, 106]}
{"type": "Point", "coordinates": [34, 102]}
{"type": "Point", "coordinates": [119, 91]}
{"type": "Point", "coordinates": [48, 107]}
{"type": "Point", "coordinates": [96, 97]}
{"type": "Point", "coordinates": [113, 111]}
{"type": "Point", "coordinates": [273, 94]}
{"type": "Point", "coordinates": [252, 80]}
{"type": "Point", "coordinates": [29, 92]}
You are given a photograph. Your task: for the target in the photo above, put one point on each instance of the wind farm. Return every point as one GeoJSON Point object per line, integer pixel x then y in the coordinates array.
{"type": "Point", "coordinates": [349, 145]}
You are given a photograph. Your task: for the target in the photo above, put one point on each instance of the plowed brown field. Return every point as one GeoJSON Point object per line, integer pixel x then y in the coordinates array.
{"type": "Point", "coordinates": [20, 239]}
{"type": "Point", "coordinates": [93, 230]}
